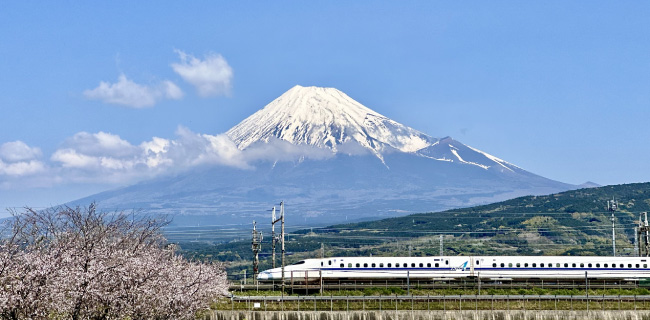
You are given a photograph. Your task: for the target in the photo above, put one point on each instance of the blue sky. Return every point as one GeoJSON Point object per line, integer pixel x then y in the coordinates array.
{"type": "Point", "coordinates": [559, 88]}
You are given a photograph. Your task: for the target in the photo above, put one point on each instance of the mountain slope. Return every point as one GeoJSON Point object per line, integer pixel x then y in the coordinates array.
{"type": "Point", "coordinates": [376, 167]}
{"type": "Point", "coordinates": [575, 222]}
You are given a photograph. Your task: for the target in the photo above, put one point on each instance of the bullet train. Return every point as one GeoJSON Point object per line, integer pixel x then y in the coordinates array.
{"type": "Point", "coordinates": [459, 267]}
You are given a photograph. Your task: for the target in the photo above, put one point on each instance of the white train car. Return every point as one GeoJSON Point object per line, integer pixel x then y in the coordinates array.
{"type": "Point", "coordinates": [459, 267]}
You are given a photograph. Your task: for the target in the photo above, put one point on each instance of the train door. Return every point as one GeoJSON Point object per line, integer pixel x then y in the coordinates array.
{"type": "Point", "coordinates": [471, 266]}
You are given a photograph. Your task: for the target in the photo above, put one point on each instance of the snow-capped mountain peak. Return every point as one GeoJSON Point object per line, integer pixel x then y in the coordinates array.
{"type": "Point", "coordinates": [326, 118]}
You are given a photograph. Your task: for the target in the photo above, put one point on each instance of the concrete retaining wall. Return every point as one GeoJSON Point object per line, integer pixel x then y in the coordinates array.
{"type": "Point", "coordinates": [430, 315]}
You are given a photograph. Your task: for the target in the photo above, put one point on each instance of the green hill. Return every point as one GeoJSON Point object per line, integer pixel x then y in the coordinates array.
{"type": "Point", "coordinates": [570, 223]}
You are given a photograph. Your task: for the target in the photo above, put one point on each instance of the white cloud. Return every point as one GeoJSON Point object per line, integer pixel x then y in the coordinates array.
{"type": "Point", "coordinates": [100, 144]}
{"type": "Point", "coordinates": [171, 90]}
{"type": "Point", "coordinates": [99, 151]}
{"type": "Point", "coordinates": [281, 150]}
{"type": "Point", "coordinates": [211, 76]}
{"type": "Point", "coordinates": [154, 152]}
{"type": "Point", "coordinates": [18, 159]}
{"type": "Point", "coordinates": [18, 151]}
{"type": "Point", "coordinates": [193, 149]}
{"type": "Point", "coordinates": [22, 168]}
{"type": "Point", "coordinates": [106, 158]}
{"type": "Point", "coordinates": [128, 93]}
{"type": "Point", "coordinates": [72, 159]}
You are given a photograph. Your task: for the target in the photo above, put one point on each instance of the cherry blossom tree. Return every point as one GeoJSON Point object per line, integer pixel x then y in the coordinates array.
{"type": "Point", "coordinates": [80, 263]}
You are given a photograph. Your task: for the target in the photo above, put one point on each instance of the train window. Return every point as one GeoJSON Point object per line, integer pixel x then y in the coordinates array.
{"type": "Point", "coordinates": [503, 264]}
{"type": "Point", "coordinates": [510, 265]}
{"type": "Point", "coordinates": [637, 265]}
{"type": "Point", "coordinates": [645, 265]}
{"type": "Point", "coordinates": [589, 265]}
{"type": "Point", "coordinates": [494, 265]}
{"type": "Point", "coordinates": [373, 265]}
{"type": "Point", "coordinates": [605, 265]}
{"type": "Point", "coordinates": [397, 265]}
{"type": "Point", "coordinates": [566, 265]}
{"type": "Point", "coordinates": [534, 265]}
{"type": "Point", "coordinates": [518, 265]}
{"type": "Point", "coordinates": [446, 261]}
{"type": "Point", "coordinates": [349, 265]}
{"type": "Point", "coordinates": [629, 265]}
{"type": "Point", "coordinates": [526, 265]}
{"type": "Point", "coordinates": [582, 265]}
{"type": "Point", "coordinates": [358, 265]}
{"type": "Point", "coordinates": [329, 262]}
{"type": "Point", "coordinates": [622, 265]}
{"type": "Point", "coordinates": [557, 265]}
{"type": "Point", "coordinates": [321, 263]}
{"type": "Point", "coordinates": [390, 265]}
{"type": "Point", "coordinates": [477, 262]}
{"type": "Point", "coordinates": [421, 265]}
{"type": "Point", "coordinates": [342, 265]}
{"type": "Point", "coordinates": [381, 265]}
{"type": "Point", "coordinates": [597, 265]}
{"type": "Point", "coordinates": [573, 265]}
{"type": "Point", "coordinates": [412, 265]}
{"type": "Point", "coordinates": [429, 265]}
{"type": "Point", "coordinates": [437, 265]}
{"type": "Point", "coordinates": [541, 265]}
{"type": "Point", "coordinates": [365, 265]}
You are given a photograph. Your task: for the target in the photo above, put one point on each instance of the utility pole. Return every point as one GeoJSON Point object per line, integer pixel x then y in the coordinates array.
{"type": "Point", "coordinates": [644, 231]}
{"type": "Point", "coordinates": [441, 250]}
{"type": "Point", "coordinates": [273, 238]}
{"type": "Point", "coordinates": [612, 206]}
{"type": "Point", "coordinates": [256, 245]}
{"type": "Point", "coordinates": [281, 238]}
{"type": "Point", "coordinates": [410, 250]}
{"type": "Point", "coordinates": [636, 242]}
{"type": "Point", "coordinates": [646, 228]}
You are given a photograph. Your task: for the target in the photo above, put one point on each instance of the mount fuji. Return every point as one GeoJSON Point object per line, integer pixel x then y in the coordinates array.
{"type": "Point", "coordinates": [331, 160]}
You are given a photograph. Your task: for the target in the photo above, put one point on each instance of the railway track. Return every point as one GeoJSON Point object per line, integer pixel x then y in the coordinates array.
{"type": "Point", "coordinates": [436, 298]}
{"type": "Point", "coordinates": [433, 285]}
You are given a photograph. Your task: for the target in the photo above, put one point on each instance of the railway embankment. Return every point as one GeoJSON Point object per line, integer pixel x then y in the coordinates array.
{"type": "Point", "coordinates": [430, 315]}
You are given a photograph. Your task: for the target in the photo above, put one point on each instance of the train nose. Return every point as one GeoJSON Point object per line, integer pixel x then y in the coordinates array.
{"type": "Point", "coordinates": [263, 276]}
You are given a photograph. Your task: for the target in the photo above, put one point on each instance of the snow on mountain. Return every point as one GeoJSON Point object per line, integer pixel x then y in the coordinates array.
{"type": "Point", "coordinates": [326, 118]}
{"type": "Point", "coordinates": [448, 149]}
